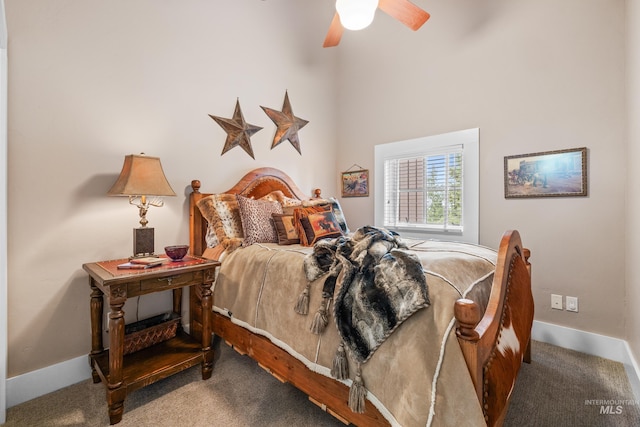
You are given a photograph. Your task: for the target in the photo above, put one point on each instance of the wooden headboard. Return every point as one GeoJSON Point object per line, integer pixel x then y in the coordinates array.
{"type": "Point", "coordinates": [255, 184]}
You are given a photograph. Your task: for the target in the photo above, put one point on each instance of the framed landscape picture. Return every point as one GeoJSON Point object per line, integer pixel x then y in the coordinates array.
{"type": "Point", "coordinates": [561, 173]}
{"type": "Point", "coordinates": [355, 183]}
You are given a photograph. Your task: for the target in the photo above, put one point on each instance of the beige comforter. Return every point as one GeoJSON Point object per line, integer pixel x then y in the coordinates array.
{"type": "Point", "coordinates": [418, 376]}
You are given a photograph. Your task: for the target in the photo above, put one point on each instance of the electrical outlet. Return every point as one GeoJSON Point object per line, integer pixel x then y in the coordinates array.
{"type": "Point", "coordinates": [556, 302]}
{"type": "Point", "coordinates": [572, 304]}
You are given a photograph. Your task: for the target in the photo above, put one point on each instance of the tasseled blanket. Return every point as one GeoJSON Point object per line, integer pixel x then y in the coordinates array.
{"type": "Point", "coordinates": [379, 284]}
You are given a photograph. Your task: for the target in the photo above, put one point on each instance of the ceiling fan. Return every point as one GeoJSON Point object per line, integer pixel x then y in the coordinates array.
{"type": "Point", "coordinates": [403, 10]}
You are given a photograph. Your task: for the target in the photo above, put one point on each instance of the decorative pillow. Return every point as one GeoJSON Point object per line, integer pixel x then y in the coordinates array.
{"type": "Point", "coordinates": [278, 196]}
{"type": "Point", "coordinates": [274, 196]}
{"type": "Point", "coordinates": [315, 202]}
{"type": "Point", "coordinates": [320, 225]}
{"type": "Point", "coordinates": [256, 220]}
{"type": "Point", "coordinates": [288, 202]}
{"type": "Point", "coordinates": [299, 213]}
{"type": "Point", "coordinates": [335, 206]}
{"type": "Point", "coordinates": [288, 210]}
{"type": "Point", "coordinates": [222, 213]}
{"type": "Point", "coordinates": [337, 211]}
{"type": "Point", "coordinates": [210, 238]}
{"type": "Point", "coordinates": [285, 229]}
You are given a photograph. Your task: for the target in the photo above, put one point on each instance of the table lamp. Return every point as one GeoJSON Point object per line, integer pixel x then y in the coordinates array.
{"type": "Point", "coordinates": [142, 176]}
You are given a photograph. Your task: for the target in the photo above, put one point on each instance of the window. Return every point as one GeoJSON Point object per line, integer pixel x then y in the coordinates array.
{"type": "Point", "coordinates": [424, 191]}
{"type": "Point", "coordinates": [428, 187]}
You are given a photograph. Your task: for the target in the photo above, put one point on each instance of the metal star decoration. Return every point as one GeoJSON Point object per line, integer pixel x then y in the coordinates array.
{"type": "Point", "coordinates": [238, 131]}
{"type": "Point", "coordinates": [288, 124]}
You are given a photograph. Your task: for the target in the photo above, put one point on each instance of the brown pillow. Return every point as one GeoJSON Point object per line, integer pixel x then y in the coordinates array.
{"type": "Point", "coordinates": [299, 213]}
{"type": "Point", "coordinates": [257, 224]}
{"type": "Point", "coordinates": [320, 225]}
{"type": "Point", "coordinates": [286, 229]}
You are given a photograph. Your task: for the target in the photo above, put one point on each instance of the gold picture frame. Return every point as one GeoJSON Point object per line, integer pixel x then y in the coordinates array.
{"type": "Point", "coordinates": [560, 173]}
{"type": "Point", "coordinates": [355, 183]}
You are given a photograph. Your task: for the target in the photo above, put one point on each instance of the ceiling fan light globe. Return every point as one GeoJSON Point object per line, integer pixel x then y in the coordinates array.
{"type": "Point", "coordinates": [356, 14]}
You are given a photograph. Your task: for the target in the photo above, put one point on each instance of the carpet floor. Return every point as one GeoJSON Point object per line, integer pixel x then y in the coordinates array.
{"type": "Point", "coordinates": [559, 388]}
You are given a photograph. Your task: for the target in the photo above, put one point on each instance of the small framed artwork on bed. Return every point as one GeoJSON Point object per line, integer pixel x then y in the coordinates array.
{"type": "Point", "coordinates": [355, 183]}
{"type": "Point", "coordinates": [561, 173]}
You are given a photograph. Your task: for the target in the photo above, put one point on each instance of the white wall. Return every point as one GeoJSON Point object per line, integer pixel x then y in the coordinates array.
{"type": "Point", "coordinates": [632, 321]}
{"type": "Point", "coordinates": [91, 81]}
{"type": "Point", "coordinates": [533, 76]}
{"type": "Point", "coordinates": [3, 213]}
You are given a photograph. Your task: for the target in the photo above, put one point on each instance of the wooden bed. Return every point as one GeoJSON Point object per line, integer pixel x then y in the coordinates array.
{"type": "Point", "coordinates": [486, 340]}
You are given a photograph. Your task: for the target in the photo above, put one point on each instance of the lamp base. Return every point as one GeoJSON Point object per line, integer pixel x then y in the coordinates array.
{"type": "Point", "coordinates": [143, 244]}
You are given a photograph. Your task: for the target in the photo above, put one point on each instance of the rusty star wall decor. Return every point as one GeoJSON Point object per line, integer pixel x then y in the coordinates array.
{"type": "Point", "coordinates": [238, 131]}
{"type": "Point", "coordinates": [288, 124]}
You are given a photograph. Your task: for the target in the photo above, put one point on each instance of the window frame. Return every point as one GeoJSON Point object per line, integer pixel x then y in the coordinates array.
{"type": "Point", "coordinates": [469, 139]}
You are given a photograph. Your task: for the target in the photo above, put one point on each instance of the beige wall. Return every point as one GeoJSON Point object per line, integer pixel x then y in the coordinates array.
{"type": "Point", "coordinates": [91, 81]}
{"type": "Point", "coordinates": [632, 321]}
{"type": "Point", "coordinates": [533, 76]}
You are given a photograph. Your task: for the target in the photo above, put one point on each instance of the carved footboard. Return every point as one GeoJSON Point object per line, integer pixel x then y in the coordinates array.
{"type": "Point", "coordinates": [495, 345]}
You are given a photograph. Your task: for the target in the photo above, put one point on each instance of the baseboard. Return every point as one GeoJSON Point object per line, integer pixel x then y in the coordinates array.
{"type": "Point", "coordinates": [633, 372]}
{"type": "Point", "coordinates": [33, 384]}
{"type": "Point", "coordinates": [590, 343]}
{"type": "Point", "coordinates": [42, 381]}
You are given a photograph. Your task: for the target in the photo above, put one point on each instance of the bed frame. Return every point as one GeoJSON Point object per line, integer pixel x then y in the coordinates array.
{"type": "Point", "coordinates": [493, 358]}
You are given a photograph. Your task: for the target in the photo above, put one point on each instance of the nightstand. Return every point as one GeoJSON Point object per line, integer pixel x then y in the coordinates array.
{"type": "Point", "coordinates": [121, 373]}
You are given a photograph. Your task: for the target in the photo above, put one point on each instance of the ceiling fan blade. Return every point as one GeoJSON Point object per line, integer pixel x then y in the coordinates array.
{"type": "Point", "coordinates": [405, 11]}
{"type": "Point", "coordinates": [335, 32]}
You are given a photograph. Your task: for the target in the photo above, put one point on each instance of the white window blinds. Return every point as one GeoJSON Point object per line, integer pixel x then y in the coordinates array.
{"type": "Point", "coordinates": [425, 191]}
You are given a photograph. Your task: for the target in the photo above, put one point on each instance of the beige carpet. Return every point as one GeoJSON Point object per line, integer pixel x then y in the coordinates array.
{"type": "Point", "coordinates": [555, 390]}
{"type": "Point", "coordinates": [566, 388]}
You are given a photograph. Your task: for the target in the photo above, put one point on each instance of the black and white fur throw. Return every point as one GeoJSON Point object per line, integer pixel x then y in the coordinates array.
{"type": "Point", "coordinates": [377, 285]}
